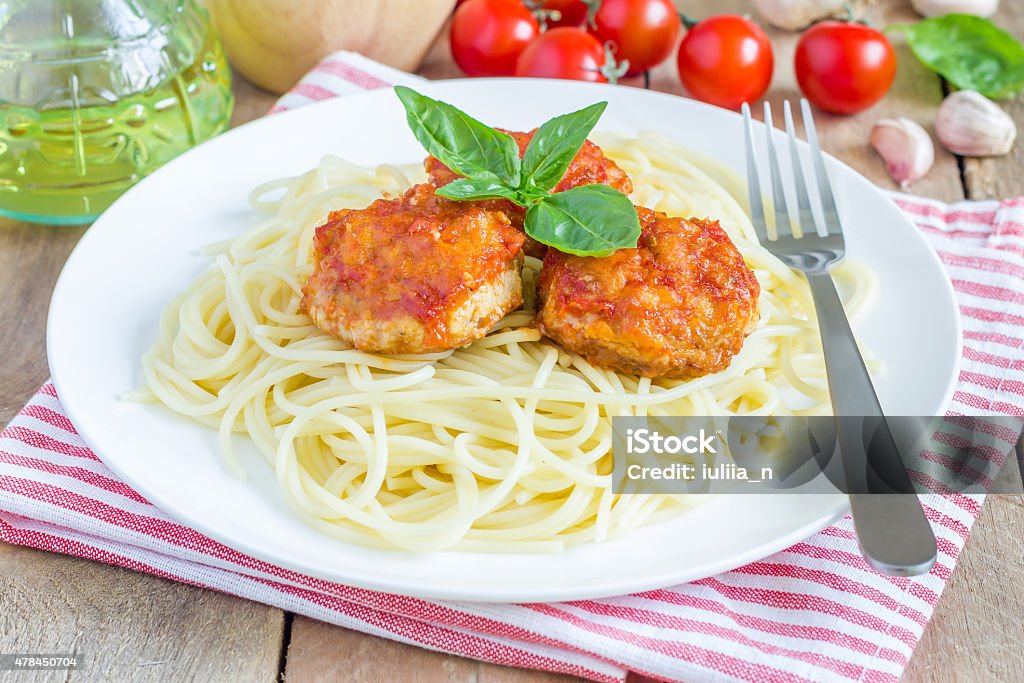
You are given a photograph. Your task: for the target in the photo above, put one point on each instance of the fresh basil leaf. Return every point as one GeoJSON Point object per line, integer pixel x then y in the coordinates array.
{"type": "Point", "coordinates": [592, 220]}
{"type": "Point", "coordinates": [970, 52]}
{"type": "Point", "coordinates": [530, 195]}
{"type": "Point", "coordinates": [477, 188]}
{"type": "Point", "coordinates": [556, 143]}
{"type": "Point", "coordinates": [462, 143]}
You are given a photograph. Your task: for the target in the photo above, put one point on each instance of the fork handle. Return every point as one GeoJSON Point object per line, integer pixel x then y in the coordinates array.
{"type": "Point", "coordinates": [894, 534]}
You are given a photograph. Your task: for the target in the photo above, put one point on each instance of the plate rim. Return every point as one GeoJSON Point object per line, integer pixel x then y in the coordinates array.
{"type": "Point", "coordinates": [621, 585]}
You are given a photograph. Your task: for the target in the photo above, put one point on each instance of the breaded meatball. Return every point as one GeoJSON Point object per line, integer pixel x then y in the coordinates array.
{"type": "Point", "coordinates": [589, 167]}
{"type": "Point", "coordinates": [414, 274]}
{"type": "Point", "coordinates": [678, 306]}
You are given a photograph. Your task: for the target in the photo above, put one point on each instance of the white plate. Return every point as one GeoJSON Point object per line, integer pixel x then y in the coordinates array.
{"type": "Point", "coordinates": [144, 250]}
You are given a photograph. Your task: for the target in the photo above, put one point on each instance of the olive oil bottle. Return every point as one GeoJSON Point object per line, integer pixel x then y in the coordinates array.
{"type": "Point", "coordinates": [96, 94]}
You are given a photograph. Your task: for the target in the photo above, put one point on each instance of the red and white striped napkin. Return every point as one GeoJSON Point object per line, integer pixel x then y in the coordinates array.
{"type": "Point", "coordinates": [814, 612]}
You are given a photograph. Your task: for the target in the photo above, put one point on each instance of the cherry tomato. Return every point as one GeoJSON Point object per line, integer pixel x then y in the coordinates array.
{"type": "Point", "coordinates": [487, 36]}
{"type": "Point", "coordinates": [642, 31]}
{"type": "Point", "coordinates": [564, 52]}
{"type": "Point", "coordinates": [844, 67]}
{"type": "Point", "coordinates": [726, 60]}
{"type": "Point", "coordinates": [573, 12]}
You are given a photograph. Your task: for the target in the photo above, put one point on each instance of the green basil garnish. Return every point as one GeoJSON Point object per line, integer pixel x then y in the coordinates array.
{"type": "Point", "coordinates": [556, 143]}
{"type": "Point", "coordinates": [477, 188]}
{"type": "Point", "coordinates": [592, 220]}
{"type": "Point", "coordinates": [462, 143]}
{"type": "Point", "coordinates": [970, 52]}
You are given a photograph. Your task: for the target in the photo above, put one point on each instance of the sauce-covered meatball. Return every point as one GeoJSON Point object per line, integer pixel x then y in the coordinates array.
{"type": "Point", "coordinates": [415, 274]}
{"type": "Point", "coordinates": [677, 306]}
{"type": "Point", "coordinates": [589, 167]}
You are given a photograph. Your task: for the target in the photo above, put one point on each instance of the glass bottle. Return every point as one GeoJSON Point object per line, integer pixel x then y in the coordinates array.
{"type": "Point", "coordinates": [95, 94]}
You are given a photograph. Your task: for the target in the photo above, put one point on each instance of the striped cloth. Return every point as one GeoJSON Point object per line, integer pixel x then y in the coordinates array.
{"type": "Point", "coordinates": [814, 612]}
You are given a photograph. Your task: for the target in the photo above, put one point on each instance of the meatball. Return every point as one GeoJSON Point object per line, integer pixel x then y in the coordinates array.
{"type": "Point", "coordinates": [415, 274]}
{"type": "Point", "coordinates": [679, 305]}
{"type": "Point", "coordinates": [589, 167]}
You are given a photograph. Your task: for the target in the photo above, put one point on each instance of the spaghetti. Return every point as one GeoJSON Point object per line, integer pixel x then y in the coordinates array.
{"type": "Point", "coordinates": [503, 445]}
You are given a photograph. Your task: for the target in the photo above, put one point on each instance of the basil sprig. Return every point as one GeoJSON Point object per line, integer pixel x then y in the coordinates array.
{"type": "Point", "coordinates": [970, 52]}
{"type": "Point", "coordinates": [590, 220]}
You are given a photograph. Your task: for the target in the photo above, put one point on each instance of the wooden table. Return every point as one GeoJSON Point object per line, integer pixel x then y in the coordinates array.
{"type": "Point", "coordinates": [139, 627]}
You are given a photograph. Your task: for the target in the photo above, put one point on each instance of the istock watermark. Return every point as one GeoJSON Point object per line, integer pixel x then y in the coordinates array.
{"type": "Point", "coordinates": [642, 441]}
{"type": "Point", "coordinates": [758, 454]}
{"type": "Point", "coordinates": [41, 662]}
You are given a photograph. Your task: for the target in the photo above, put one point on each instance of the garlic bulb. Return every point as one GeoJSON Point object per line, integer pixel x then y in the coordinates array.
{"type": "Point", "coordinates": [935, 8]}
{"type": "Point", "coordinates": [795, 14]}
{"type": "Point", "coordinates": [971, 125]}
{"type": "Point", "coordinates": [906, 148]}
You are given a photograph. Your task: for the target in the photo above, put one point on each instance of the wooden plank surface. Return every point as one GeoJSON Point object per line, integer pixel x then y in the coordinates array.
{"type": "Point", "coordinates": [31, 257]}
{"type": "Point", "coordinates": [129, 625]}
{"type": "Point", "coordinates": [140, 627]}
{"type": "Point", "coordinates": [1002, 177]}
{"type": "Point", "coordinates": [975, 633]}
{"type": "Point", "coordinates": [322, 652]}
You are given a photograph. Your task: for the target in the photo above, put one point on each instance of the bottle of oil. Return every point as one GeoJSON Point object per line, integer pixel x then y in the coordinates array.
{"type": "Point", "coordinates": [95, 94]}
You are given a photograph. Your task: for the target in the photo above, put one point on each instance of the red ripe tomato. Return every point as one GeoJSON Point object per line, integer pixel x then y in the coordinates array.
{"type": "Point", "coordinates": [844, 67]}
{"type": "Point", "coordinates": [564, 53]}
{"type": "Point", "coordinates": [726, 60]}
{"type": "Point", "coordinates": [642, 31]}
{"type": "Point", "coordinates": [573, 12]}
{"type": "Point", "coordinates": [487, 36]}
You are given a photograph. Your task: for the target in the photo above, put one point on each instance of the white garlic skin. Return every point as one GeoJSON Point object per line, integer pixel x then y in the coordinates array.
{"type": "Point", "coordinates": [905, 147]}
{"type": "Point", "coordinates": [793, 15]}
{"type": "Point", "coordinates": [971, 125]}
{"type": "Point", "coordinates": [935, 8]}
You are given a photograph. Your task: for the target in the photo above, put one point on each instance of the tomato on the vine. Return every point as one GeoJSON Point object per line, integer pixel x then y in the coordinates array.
{"type": "Point", "coordinates": [569, 53]}
{"type": "Point", "coordinates": [726, 60]}
{"type": "Point", "coordinates": [644, 32]}
{"type": "Point", "coordinates": [844, 67]}
{"type": "Point", "coordinates": [570, 12]}
{"type": "Point", "coordinates": [487, 36]}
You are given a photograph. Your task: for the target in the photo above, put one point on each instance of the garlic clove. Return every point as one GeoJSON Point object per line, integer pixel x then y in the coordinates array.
{"type": "Point", "coordinates": [935, 8]}
{"type": "Point", "coordinates": [971, 125]}
{"type": "Point", "coordinates": [905, 147]}
{"type": "Point", "coordinates": [793, 15]}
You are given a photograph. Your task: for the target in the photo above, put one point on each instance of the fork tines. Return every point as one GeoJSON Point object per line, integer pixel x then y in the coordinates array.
{"type": "Point", "coordinates": [791, 224]}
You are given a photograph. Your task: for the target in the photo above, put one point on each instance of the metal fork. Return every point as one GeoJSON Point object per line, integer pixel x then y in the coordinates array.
{"type": "Point", "coordinates": [894, 535]}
